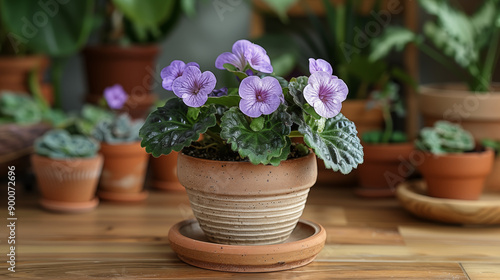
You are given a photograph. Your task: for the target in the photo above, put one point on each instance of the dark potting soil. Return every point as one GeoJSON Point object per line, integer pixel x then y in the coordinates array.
{"type": "Point", "coordinates": [197, 150]}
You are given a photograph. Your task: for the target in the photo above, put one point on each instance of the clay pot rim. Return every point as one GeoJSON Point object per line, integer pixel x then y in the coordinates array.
{"type": "Point", "coordinates": [458, 89]}
{"type": "Point", "coordinates": [97, 156]}
{"type": "Point", "coordinates": [486, 153]}
{"type": "Point", "coordinates": [311, 154]}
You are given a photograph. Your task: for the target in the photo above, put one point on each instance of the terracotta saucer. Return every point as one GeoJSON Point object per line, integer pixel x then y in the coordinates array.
{"type": "Point", "coordinates": [69, 207]}
{"type": "Point", "coordinates": [188, 241]}
{"type": "Point", "coordinates": [485, 211]}
{"type": "Point", "coordinates": [168, 186]}
{"type": "Point", "coordinates": [123, 197]}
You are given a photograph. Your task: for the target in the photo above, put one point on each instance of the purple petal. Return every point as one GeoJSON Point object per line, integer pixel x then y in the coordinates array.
{"type": "Point", "coordinates": [319, 65]}
{"type": "Point", "coordinates": [192, 64]}
{"type": "Point", "coordinates": [271, 103]}
{"type": "Point", "coordinates": [195, 100]}
{"type": "Point", "coordinates": [258, 59]}
{"type": "Point", "coordinates": [250, 108]}
{"type": "Point", "coordinates": [325, 93]}
{"type": "Point", "coordinates": [115, 96]}
{"type": "Point", "coordinates": [193, 86]}
{"type": "Point", "coordinates": [241, 46]}
{"type": "Point", "coordinates": [230, 58]}
{"type": "Point", "coordinates": [172, 72]}
{"type": "Point", "coordinates": [206, 82]}
{"type": "Point", "coordinates": [272, 85]}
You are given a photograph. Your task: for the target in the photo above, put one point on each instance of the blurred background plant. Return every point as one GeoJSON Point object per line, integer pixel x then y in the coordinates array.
{"type": "Point", "coordinates": [467, 45]}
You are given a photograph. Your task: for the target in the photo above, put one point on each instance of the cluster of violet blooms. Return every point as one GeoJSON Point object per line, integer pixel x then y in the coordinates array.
{"type": "Point", "coordinates": [259, 96]}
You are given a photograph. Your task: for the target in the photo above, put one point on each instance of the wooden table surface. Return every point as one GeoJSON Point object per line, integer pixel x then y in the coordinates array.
{"type": "Point", "coordinates": [366, 239]}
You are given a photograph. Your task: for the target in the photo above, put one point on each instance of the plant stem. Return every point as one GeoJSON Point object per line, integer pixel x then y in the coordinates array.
{"type": "Point", "coordinates": [437, 57]}
{"type": "Point", "coordinates": [295, 133]}
{"type": "Point", "coordinates": [490, 62]}
{"type": "Point", "coordinates": [386, 111]}
{"type": "Point", "coordinates": [56, 77]}
{"type": "Point", "coordinates": [215, 137]}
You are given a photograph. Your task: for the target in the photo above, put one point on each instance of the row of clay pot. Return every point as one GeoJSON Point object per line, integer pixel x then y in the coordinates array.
{"type": "Point", "coordinates": [70, 184]}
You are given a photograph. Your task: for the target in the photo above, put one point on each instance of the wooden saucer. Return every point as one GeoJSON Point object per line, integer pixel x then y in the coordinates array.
{"type": "Point", "coordinates": [188, 241]}
{"type": "Point", "coordinates": [485, 211]}
{"type": "Point", "coordinates": [69, 207]}
{"type": "Point", "coordinates": [123, 197]}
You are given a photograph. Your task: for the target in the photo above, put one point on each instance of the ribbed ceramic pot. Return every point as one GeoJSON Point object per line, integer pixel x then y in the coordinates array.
{"type": "Point", "coordinates": [68, 180]}
{"type": "Point", "coordinates": [244, 204]}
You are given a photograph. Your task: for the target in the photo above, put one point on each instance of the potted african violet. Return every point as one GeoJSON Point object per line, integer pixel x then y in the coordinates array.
{"type": "Point", "coordinates": [67, 168]}
{"type": "Point", "coordinates": [386, 151]}
{"type": "Point", "coordinates": [246, 181]}
{"type": "Point", "coordinates": [125, 161]}
{"type": "Point", "coordinates": [453, 167]}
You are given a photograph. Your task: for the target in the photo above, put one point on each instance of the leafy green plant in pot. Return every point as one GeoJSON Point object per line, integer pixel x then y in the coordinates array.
{"type": "Point", "coordinates": [246, 169]}
{"type": "Point", "coordinates": [125, 161]}
{"type": "Point", "coordinates": [129, 40]}
{"type": "Point", "coordinates": [493, 180]}
{"type": "Point", "coordinates": [67, 169]}
{"type": "Point", "coordinates": [386, 151]}
{"type": "Point", "coordinates": [32, 30]}
{"type": "Point", "coordinates": [452, 166]}
{"type": "Point", "coordinates": [468, 46]}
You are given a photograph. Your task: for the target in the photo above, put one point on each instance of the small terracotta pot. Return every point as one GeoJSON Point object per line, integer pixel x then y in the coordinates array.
{"type": "Point", "coordinates": [164, 172]}
{"type": "Point", "coordinates": [67, 180]}
{"type": "Point", "coordinates": [244, 204]}
{"type": "Point", "coordinates": [456, 176]}
{"type": "Point", "coordinates": [384, 167]}
{"type": "Point", "coordinates": [493, 180]}
{"type": "Point", "coordinates": [123, 172]}
{"type": "Point", "coordinates": [107, 65]}
{"type": "Point", "coordinates": [476, 112]}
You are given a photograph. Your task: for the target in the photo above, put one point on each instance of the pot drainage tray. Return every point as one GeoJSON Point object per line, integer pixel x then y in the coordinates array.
{"type": "Point", "coordinates": [484, 211]}
{"type": "Point", "coordinates": [189, 242]}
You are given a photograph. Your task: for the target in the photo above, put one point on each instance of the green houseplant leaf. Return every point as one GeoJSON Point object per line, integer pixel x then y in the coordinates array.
{"type": "Point", "coordinates": [170, 128]}
{"type": "Point", "coordinates": [335, 143]}
{"type": "Point", "coordinates": [61, 144]}
{"type": "Point", "coordinates": [394, 37]}
{"type": "Point", "coordinates": [259, 146]}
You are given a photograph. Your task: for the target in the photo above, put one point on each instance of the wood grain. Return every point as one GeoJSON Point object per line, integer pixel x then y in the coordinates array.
{"type": "Point", "coordinates": [366, 239]}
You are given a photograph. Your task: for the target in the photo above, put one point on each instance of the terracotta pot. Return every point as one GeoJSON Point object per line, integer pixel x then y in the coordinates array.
{"type": "Point", "coordinates": [15, 72]}
{"type": "Point", "coordinates": [245, 204]}
{"type": "Point", "coordinates": [71, 181]}
{"type": "Point", "coordinates": [164, 172]}
{"type": "Point", "coordinates": [132, 67]}
{"type": "Point", "coordinates": [456, 176]}
{"type": "Point", "coordinates": [123, 172]}
{"type": "Point", "coordinates": [365, 120]}
{"type": "Point", "coordinates": [493, 180]}
{"type": "Point", "coordinates": [384, 167]}
{"type": "Point", "coordinates": [476, 112]}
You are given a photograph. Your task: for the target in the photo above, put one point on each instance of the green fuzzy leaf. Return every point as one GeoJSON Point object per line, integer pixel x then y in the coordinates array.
{"type": "Point", "coordinates": [61, 144]}
{"type": "Point", "coordinates": [259, 146]}
{"type": "Point", "coordinates": [337, 145]}
{"type": "Point", "coordinates": [257, 124]}
{"type": "Point", "coordinates": [296, 91]}
{"type": "Point", "coordinates": [284, 153]}
{"type": "Point", "coordinates": [445, 137]}
{"type": "Point", "coordinates": [228, 100]}
{"type": "Point", "coordinates": [169, 127]}
{"type": "Point", "coordinates": [394, 37]}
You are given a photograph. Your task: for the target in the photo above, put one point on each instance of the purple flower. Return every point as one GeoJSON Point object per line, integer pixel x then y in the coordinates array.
{"type": "Point", "coordinates": [218, 92]}
{"type": "Point", "coordinates": [259, 96]}
{"type": "Point", "coordinates": [319, 65]}
{"type": "Point", "coordinates": [325, 93]}
{"type": "Point", "coordinates": [246, 53]}
{"type": "Point", "coordinates": [193, 86]}
{"type": "Point", "coordinates": [174, 71]}
{"type": "Point", "coordinates": [115, 96]}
